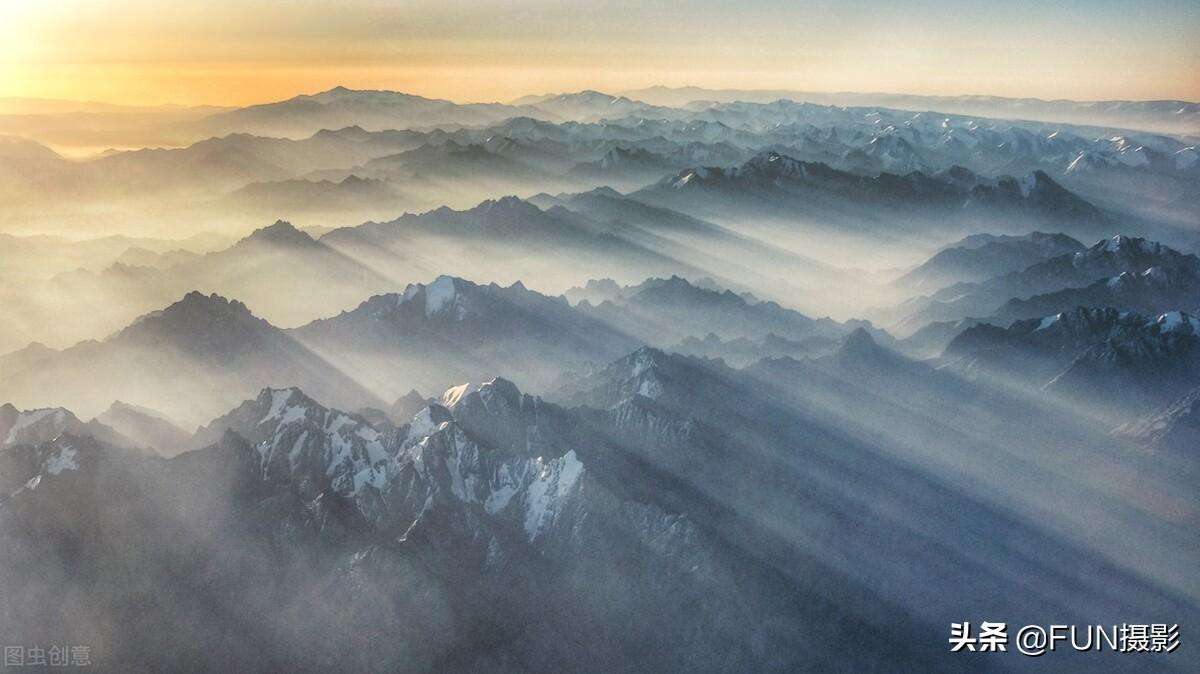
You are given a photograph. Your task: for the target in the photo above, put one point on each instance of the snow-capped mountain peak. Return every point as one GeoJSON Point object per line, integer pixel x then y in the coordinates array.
{"type": "Point", "coordinates": [300, 441]}
{"type": "Point", "coordinates": [438, 296]}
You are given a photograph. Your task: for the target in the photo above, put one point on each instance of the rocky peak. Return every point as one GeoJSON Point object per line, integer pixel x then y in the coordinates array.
{"type": "Point", "coordinates": [198, 301]}
{"type": "Point", "coordinates": [199, 322]}
{"type": "Point", "coordinates": [408, 405]}
{"type": "Point", "coordinates": [858, 344]}
{"type": "Point", "coordinates": [603, 191]}
{"type": "Point", "coordinates": [496, 413]}
{"type": "Point", "coordinates": [860, 350]}
{"type": "Point", "coordinates": [441, 294]}
{"type": "Point", "coordinates": [1133, 254]}
{"type": "Point", "coordinates": [282, 233]}
{"type": "Point", "coordinates": [646, 373]}
{"type": "Point", "coordinates": [773, 165]}
{"type": "Point", "coordinates": [303, 443]}
{"type": "Point", "coordinates": [1127, 245]}
{"type": "Point", "coordinates": [32, 427]}
{"type": "Point", "coordinates": [505, 209]}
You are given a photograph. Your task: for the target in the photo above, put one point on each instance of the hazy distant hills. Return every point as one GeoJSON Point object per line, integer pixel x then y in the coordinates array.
{"type": "Point", "coordinates": [503, 239]}
{"type": "Point", "coordinates": [1163, 116]}
{"type": "Point", "coordinates": [378, 110]}
{"type": "Point", "coordinates": [453, 330]}
{"type": "Point", "coordinates": [979, 257]}
{"type": "Point", "coordinates": [763, 225]}
{"type": "Point", "coordinates": [94, 126]}
{"type": "Point", "coordinates": [144, 426]}
{"type": "Point", "coordinates": [560, 246]}
{"type": "Point", "coordinates": [662, 311]}
{"type": "Point", "coordinates": [327, 197]}
{"type": "Point", "coordinates": [188, 360]}
{"type": "Point", "coordinates": [339, 107]}
{"type": "Point", "coordinates": [622, 166]}
{"type": "Point", "coordinates": [728, 252]}
{"type": "Point", "coordinates": [595, 234]}
{"type": "Point", "coordinates": [277, 254]}
{"type": "Point", "coordinates": [443, 153]}
{"type": "Point", "coordinates": [593, 105]}
{"type": "Point", "coordinates": [32, 427]}
{"type": "Point", "coordinates": [780, 188]}
{"type": "Point", "coordinates": [42, 256]}
{"type": "Point", "coordinates": [196, 353]}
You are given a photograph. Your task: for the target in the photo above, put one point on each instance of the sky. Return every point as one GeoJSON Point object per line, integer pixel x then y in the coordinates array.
{"type": "Point", "coordinates": [228, 52]}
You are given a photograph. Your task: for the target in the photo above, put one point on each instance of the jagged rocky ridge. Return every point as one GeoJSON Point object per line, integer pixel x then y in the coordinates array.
{"type": "Point", "coordinates": [1122, 362]}
{"type": "Point", "coordinates": [1124, 272]}
{"type": "Point", "coordinates": [498, 531]}
{"type": "Point", "coordinates": [777, 186]}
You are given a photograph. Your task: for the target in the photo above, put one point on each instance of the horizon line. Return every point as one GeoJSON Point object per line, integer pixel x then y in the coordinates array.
{"type": "Point", "coordinates": [617, 93]}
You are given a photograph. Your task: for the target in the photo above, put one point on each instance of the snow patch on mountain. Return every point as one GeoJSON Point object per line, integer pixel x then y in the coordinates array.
{"type": "Point", "coordinates": [1049, 321]}
{"type": "Point", "coordinates": [299, 440]}
{"type": "Point", "coordinates": [422, 425]}
{"type": "Point", "coordinates": [63, 459]}
{"type": "Point", "coordinates": [546, 496]}
{"type": "Point", "coordinates": [454, 394]}
{"type": "Point", "coordinates": [438, 294]}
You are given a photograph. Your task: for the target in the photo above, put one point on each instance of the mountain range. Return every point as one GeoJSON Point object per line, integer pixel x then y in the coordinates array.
{"type": "Point", "coordinates": [708, 506]}
{"type": "Point", "coordinates": [980, 257]}
{"type": "Point", "coordinates": [661, 311]}
{"type": "Point", "coordinates": [586, 382]}
{"type": "Point", "coordinates": [426, 337]}
{"type": "Point", "coordinates": [187, 360]}
{"type": "Point", "coordinates": [779, 188]}
{"type": "Point", "coordinates": [450, 329]}
{"type": "Point", "coordinates": [1121, 363]}
{"type": "Point", "coordinates": [1165, 116]}
{"type": "Point", "coordinates": [438, 152]}
{"type": "Point", "coordinates": [1128, 273]}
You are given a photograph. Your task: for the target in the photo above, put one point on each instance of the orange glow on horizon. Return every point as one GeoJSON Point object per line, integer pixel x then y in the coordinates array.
{"type": "Point", "coordinates": [230, 53]}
